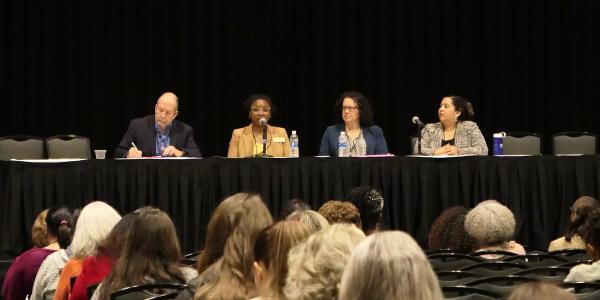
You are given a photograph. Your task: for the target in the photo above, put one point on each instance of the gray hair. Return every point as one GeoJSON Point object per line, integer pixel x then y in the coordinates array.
{"type": "Point", "coordinates": [389, 265]}
{"type": "Point", "coordinates": [94, 224]}
{"type": "Point", "coordinates": [314, 220]}
{"type": "Point", "coordinates": [316, 266]}
{"type": "Point", "coordinates": [490, 223]}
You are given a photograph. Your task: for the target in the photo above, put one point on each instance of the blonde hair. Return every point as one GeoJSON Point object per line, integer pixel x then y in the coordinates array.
{"type": "Point", "coordinates": [272, 247]}
{"type": "Point", "coordinates": [311, 218]}
{"type": "Point", "coordinates": [94, 224]}
{"type": "Point", "coordinates": [388, 266]}
{"type": "Point", "coordinates": [540, 290]}
{"type": "Point", "coordinates": [316, 266]}
{"type": "Point", "coordinates": [39, 230]}
{"type": "Point", "coordinates": [490, 223]}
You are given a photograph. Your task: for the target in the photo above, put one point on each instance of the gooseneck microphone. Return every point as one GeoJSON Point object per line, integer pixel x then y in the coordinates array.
{"type": "Point", "coordinates": [417, 121]}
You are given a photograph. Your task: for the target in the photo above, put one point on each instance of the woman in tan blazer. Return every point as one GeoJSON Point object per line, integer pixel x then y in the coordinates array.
{"type": "Point", "coordinates": [247, 141]}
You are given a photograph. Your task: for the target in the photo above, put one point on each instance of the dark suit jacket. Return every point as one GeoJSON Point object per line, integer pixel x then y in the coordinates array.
{"type": "Point", "coordinates": [141, 132]}
{"type": "Point", "coordinates": [373, 136]}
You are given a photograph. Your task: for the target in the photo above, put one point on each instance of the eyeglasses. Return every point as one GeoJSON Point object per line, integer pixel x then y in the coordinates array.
{"type": "Point", "coordinates": [263, 109]}
{"type": "Point", "coordinates": [349, 108]}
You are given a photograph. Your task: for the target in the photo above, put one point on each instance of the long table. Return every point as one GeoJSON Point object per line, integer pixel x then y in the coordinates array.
{"type": "Point", "coordinates": [538, 189]}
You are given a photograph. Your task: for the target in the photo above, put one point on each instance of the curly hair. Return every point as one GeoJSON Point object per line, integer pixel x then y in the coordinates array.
{"type": "Point", "coordinates": [39, 230]}
{"type": "Point", "coordinates": [316, 266]}
{"type": "Point", "coordinates": [362, 102]}
{"type": "Point", "coordinates": [336, 211]}
{"type": "Point", "coordinates": [370, 205]}
{"type": "Point", "coordinates": [448, 231]}
{"type": "Point", "coordinates": [490, 223]}
{"type": "Point", "coordinates": [591, 232]}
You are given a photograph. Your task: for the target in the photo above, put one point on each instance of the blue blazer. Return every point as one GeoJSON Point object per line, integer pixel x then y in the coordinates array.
{"type": "Point", "coordinates": [373, 136]}
{"type": "Point", "coordinates": [141, 131]}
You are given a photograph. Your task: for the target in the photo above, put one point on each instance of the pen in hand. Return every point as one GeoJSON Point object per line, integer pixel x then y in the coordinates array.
{"type": "Point", "coordinates": [134, 146]}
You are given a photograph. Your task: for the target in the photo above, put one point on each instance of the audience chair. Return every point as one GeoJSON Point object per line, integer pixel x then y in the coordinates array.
{"type": "Point", "coordinates": [451, 261]}
{"type": "Point", "coordinates": [456, 278]}
{"type": "Point", "coordinates": [574, 142]}
{"type": "Point", "coordinates": [146, 291]}
{"type": "Point", "coordinates": [21, 147]}
{"type": "Point", "coordinates": [68, 146]}
{"type": "Point", "coordinates": [522, 143]}
{"type": "Point", "coordinates": [581, 287]}
{"type": "Point", "coordinates": [571, 254]}
{"type": "Point", "coordinates": [501, 284]}
{"type": "Point", "coordinates": [439, 251]}
{"type": "Point", "coordinates": [502, 253]}
{"type": "Point", "coordinates": [552, 274]}
{"type": "Point", "coordinates": [575, 263]}
{"type": "Point", "coordinates": [495, 268]}
{"type": "Point", "coordinates": [412, 141]}
{"type": "Point", "coordinates": [458, 292]}
{"type": "Point", "coordinates": [537, 260]}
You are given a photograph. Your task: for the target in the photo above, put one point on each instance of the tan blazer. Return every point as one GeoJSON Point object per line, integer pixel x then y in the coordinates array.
{"type": "Point", "coordinates": [242, 142]}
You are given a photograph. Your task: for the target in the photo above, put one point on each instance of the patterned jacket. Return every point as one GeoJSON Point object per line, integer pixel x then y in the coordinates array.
{"type": "Point", "coordinates": [467, 138]}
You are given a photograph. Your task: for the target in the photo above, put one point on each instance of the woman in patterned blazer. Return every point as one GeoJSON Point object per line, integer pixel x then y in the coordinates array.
{"type": "Point", "coordinates": [455, 133]}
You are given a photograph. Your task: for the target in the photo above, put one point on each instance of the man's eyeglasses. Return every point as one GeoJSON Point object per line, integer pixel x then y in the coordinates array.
{"type": "Point", "coordinates": [349, 108]}
{"type": "Point", "coordinates": [263, 109]}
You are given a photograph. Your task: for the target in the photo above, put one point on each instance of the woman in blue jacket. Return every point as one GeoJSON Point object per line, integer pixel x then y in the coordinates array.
{"type": "Point", "coordinates": [364, 138]}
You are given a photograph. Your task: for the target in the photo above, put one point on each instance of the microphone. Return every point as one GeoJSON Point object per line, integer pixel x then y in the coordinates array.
{"type": "Point", "coordinates": [263, 121]}
{"type": "Point", "coordinates": [416, 120]}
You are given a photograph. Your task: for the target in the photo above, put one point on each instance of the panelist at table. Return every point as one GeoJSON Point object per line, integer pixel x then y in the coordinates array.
{"type": "Point", "coordinates": [159, 134]}
{"type": "Point", "coordinates": [455, 133]}
{"type": "Point", "coordinates": [247, 141]}
{"type": "Point", "coordinates": [364, 138]}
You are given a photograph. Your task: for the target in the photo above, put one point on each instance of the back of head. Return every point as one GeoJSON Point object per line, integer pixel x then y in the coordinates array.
{"type": "Point", "coordinates": [59, 222]}
{"type": "Point", "coordinates": [590, 232]}
{"type": "Point", "coordinates": [389, 265]}
{"type": "Point", "coordinates": [150, 253]}
{"type": "Point", "coordinates": [93, 225]}
{"type": "Point", "coordinates": [39, 230]}
{"type": "Point", "coordinates": [490, 223]}
{"type": "Point", "coordinates": [467, 113]}
{"type": "Point", "coordinates": [312, 219]}
{"type": "Point", "coordinates": [272, 247]}
{"type": "Point", "coordinates": [448, 231]}
{"type": "Point", "coordinates": [340, 212]}
{"type": "Point", "coordinates": [292, 206]}
{"type": "Point", "coordinates": [239, 218]}
{"type": "Point", "coordinates": [585, 201]}
{"type": "Point", "coordinates": [112, 244]}
{"type": "Point", "coordinates": [582, 207]}
{"type": "Point", "coordinates": [242, 214]}
{"type": "Point", "coordinates": [370, 205]}
{"type": "Point", "coordinates": [540, 290]}
{"type": "Point", "coordinates": [316, 265]}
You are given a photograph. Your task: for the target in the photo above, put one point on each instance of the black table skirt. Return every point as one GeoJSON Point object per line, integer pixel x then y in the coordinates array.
{"type": "Point", "coordinates": [539, 190]}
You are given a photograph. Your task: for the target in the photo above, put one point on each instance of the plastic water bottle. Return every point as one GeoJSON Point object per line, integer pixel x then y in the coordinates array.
{"type": "Point", "coordinates": [499, 143]}
{"type": "Point", "coordinates": [294, 145]}
{"type": "Point", "coordinates": [343, 145]}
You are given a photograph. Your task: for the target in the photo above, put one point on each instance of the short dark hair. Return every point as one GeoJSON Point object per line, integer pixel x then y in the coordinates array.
{"type": "Point", "coordinates": [464, 106]}
{"type": "Point", "coordinates": [247, 104]}
{"type": "Point", "coordinates": [370, 206]}
{"type": "Point", "coordinates": [362, 102]}
{"type": "Point", "coordinates": [292, 206]}
{"type": "Point", "coordinates": [591, 231]}
{"type": "Point", "coordinates": [60, 223]}
{"type": "Point", "coordinates": [448, 231]}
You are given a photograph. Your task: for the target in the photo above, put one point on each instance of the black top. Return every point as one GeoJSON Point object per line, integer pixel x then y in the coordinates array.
{"type": "Point", "coordinates": [451, 142]}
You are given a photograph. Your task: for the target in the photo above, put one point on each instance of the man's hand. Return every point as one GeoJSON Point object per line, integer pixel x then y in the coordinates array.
{"type": "Point", "coordinates": [134, 153]}
{"type": "Point", "coordinates": [172, 151]}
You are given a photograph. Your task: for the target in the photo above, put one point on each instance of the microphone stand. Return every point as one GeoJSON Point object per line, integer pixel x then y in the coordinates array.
{"type": "Point", "coordinates": [264, 144]}
{"type": "Point", "coordinates": [420, 129]}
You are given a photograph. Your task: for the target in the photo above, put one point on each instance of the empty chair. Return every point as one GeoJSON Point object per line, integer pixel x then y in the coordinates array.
{"type": "Point", "coordinates": [21, 147]}
{"type": "Point", "coordinates": [146, 291]}
{"type": "Point", "coordinates": [458, 292]}
{"type": "Point", "coordinates": [537, 260]}
{"type": "Point", "coordinates": [522, 143]}
{"type": "Point", "coordinates": [451, 261]}
{"type": "Point", "coordinates": [495, 268]}
{"type": "Point", "coordinates": [576, 263]}
{"type": "Point", "coordinates": [455, 278]}
{"type": "Point", "coordinates": [501, 284]}
{"type": "Point", "coordinates": [68, 146]}
{"type": "Point", "coordinates": [553, 274]}
{"type": "Point", "coordinates": [574, 142]}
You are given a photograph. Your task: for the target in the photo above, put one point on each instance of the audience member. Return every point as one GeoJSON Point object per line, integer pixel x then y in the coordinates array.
{"type": "Point", "coordinates": [591, 235]}
{"type": "Point", "coordinates": [39, 231]}
{"type": "Point", "coordinates": [316, 265]}
{"type": "Point", "coordinates": [540, 290]}
{"type": "Point", "coordinates": [389, 266]}
{"type": "Point", "coordinates": [150, 253]}
{"type": "Point", "coordinates": [579, 213]}
{"type": "Point", "coordinates": [448, 231]}
{"type": "Point", "coordinates": [271, 256]}
{"type": "Point", "coordinates": [225, 263]}
{"type": "Point", "coordinates": [310, 218]}
{"type": "Point", "coordinates": [21, 274]}
{"type": "Point", "coordinates": [292, 206]}
{"type": "Point", "coordinates": [340, 212]}
{"type": "Point", "coordinates": [96, 267]}
{"type": "Point", "coordinates": [48, 274]}
{"type": "Point", "coordinates": [95, 223]}
{"type": "Point", "coordinates": [370, 205]}
{"type": "Point", "coordinates": [492, 225]}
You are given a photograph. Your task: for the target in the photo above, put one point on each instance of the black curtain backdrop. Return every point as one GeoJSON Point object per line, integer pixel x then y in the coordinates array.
{"type": "Point", "coordinates": [88, 67]}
